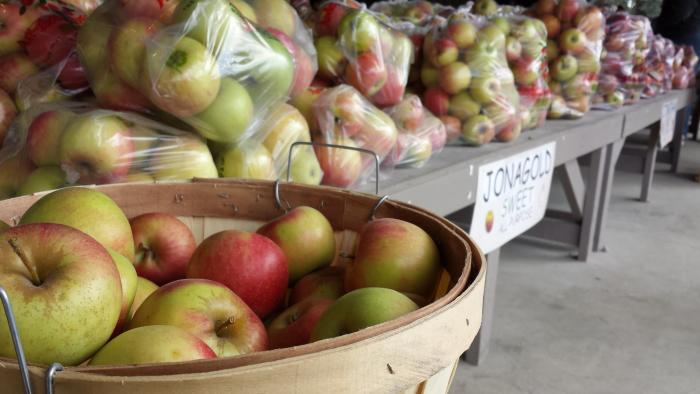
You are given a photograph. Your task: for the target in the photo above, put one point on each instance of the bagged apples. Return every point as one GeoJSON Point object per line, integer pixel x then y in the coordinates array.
{"type": "Point", "coordinates": [656, 68]}
{"type": "Point", "coordinates": [684, 63]}
{"type": "Point", "coordinates": [626, 47]}
{"type": "Point", "coordinates": [354, 47]}
{"type": "Point", "coordinates": [346, 118]}
{"type": "Point", "coordinates": [421, 134]}
{"type": "Point", "coordinates": [575, 31]}
{"type": "Point", "coordinates": [54, 145]}
{"type": "Point", "coordinates": [468, 82]}
{"type": "Point", "coordinates": [198, 62]}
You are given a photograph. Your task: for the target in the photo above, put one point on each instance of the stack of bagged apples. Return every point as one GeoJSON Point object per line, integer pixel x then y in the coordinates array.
{"type": "Point", "coordinates": [89, 286]}
{"type": "Point", "coordinates": [575, 31]}
{"type": "Point", "coordinates": [355, 48]}
{"type": "Point", "coordinates": [626, 48]}
{"type": "Point", "coordinates": [468, 82]}
{"type": "Point", "coordinates": [654, 68]}
{"type": "Point", "coordinates": [684, 63]}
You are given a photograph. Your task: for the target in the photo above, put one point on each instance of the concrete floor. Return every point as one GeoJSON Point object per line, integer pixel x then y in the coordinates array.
{"type": "Point", "coordinates": [628, 321]}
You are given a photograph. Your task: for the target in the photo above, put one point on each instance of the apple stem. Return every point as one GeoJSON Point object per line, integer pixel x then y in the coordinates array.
{"type": "Point", "coordinates": [225, 325]}
{"type": "Point", "coordinates": [30, 267]}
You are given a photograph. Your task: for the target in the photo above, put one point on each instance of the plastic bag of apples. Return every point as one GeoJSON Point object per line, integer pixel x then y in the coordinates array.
{"type": "Point", "coordinates": [356, 48]}
{"type": "Point", "coordinates": [421, 134]}
{"type": "Point", "coordinates": [203, 63]}
{"type": "Point", "coordinates": [575, 30]}
{"type": "Point", "coordinates": [626, 47]}
{"type": "Point", "coordinates": [683, 66]}
{"type": "Point", "coordinates": [655, 68]}
{"type": "Point", "coordinates": [469, 85]}
{"type": "Point", "coordinates": [57, 144]}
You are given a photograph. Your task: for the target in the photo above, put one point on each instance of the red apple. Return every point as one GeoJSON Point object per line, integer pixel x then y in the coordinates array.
{"type": "Point", "coordinates": [329, 17]}
{"type": "Point", "coordinates": [552, 24]}
{"type": "Point", "coordinates": [249, 264]}
{"type": "Point", "coordinates": [443, 52]}
{"type": "Point", "coordinates": [327, 283]}
{"type": "Point", "coordinates": [44, 135]}
{"type": "Point", "coordinates": [525, 72]}
{"type": "Point", "coordinates": [573, 41]}
{"type": "Point", "coordinates": [293, 327]}
{"type": "Point", "coordinates": [392, 91]}
{"type": "Point", "coordinates": [161, 10]}
{"type": "Point", "coordinates": [366, 73]}
{"type": "Point", "coordinates": [112, 93]}
{"type": "Point", "coordinates": [164, 246]}
{"type": "Point", "coordinates": [437, 101]}
{"type": "Point", "coordinates": [341, 167]}
{"type": "Point", "coordinates": [510, 130]}
{"type": "Point", "coordinates": [14, 68]}
{"type": "Point", "coordinates": [453, 127]}
{"type": "Point", "coordinates": [49, 40]}
{"type": "Point", "coordinates": [73, 75]}
{"type": "Point", "coordinates": [545, 7]}
{"type": "Point", "coordinates": [567, 10]}
{"type": "Point", "coordinates": [13, 26]}
{"type": "Point", "coordinates": [8, 111]}
{"type": "Point", "coordinates": [462, 32]}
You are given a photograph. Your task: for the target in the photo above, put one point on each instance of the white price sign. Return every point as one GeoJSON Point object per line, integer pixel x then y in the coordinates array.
{"type": "Point", "coordinates": [512, 195]}
{"type": "Point", "coordinates": [667, 124]}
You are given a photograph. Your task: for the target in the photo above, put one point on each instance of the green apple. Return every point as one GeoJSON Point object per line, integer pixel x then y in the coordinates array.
{"type": "Point", "coordinates": [208, 310]}
{"type": "Point", "coordinates": [273, 70]}
{"type": "Point", "coordinates": [127, 276]}
{"type": "Point", "coordinates": [305, 236]}
{"type": "Point", "coordinates": [44, 136]}
{"type": "Point", "coordinates": [395, 254]}
{"type": "Point", "coordinates": [247, 161]}
{"type": "Point", "coordinates": [152, 344]}
{"type": "Point", "coordinates": [278, 14]}
{"type": "Point", "coordinates": [42, 179]}
{"type": "Point", "coordinates": [305, 167]}
{"type": "Point", "coordinates": [284, 126]}
{"type": "Point", "coordinates": [359, 31]}
{"type": "Point", "coordinates": [144, 288]}
{"type": "Point", "coordinates": [213, 23]}
{"type": "Point", "coordinates": [185, 78]}
{"type": "Point", "coordinates": [360, 309]}
{"type": "Point", "coordinates": [463, 106]}
{"type": "Point", "coordinates": [245, 9]}
{"type": "Point", "coordinates": [229, 116]}
{"type": "Point", "coordinates": [478, 130]}
{"type": "Point", "coordinates": [180, 158]}
{"type": "Point", "coordinates": [95, 148]}
{"type": "Point", "coordinates": [455, 77]}
{"type": "Point", "coordinates": [462, 32]}
{"type": "Point", "coordinates": [485, 7]}
{"type": "Point", "coordinates": [65, 292]}
{"type": "Point", "coordinates": [331, 61]}
{"type": "Point", "coordinates": [127, 47]}
{"type": "Point", "coordinates": [93, 42]}
{"type": "Point", "coordinates": [502, 24]}
{"type": "Point", "coordinates": [484, 89]}
{"type": "Point", "coordinates": [429, 76]}
{"type": "Point", "coordinates": [491, 35]}
{"type": "Point", "coordinates": [89, 211]}
{"type": "Point", "coordinates": [564, 68]}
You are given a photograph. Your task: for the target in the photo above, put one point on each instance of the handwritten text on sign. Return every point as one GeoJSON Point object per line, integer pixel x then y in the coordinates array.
{"type": "Point", "coordinates": [667, 123]}
{"type": "Point", "coordinates": [512, 195]}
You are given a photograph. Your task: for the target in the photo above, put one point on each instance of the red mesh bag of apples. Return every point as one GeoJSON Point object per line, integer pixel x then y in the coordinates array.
{"type": "Point", "coordinates": [468, 82]}
{"type": "Point", "coordinates": [57, 144]}
{"type": "Point", "coordinates": [575, 32]}
{"type": "Point", "coordinates": [346, 118]}
{"type": "Point", "coordinates": [625, 49]}
{"type": "Point", "coordinates": [356, 48]}
{"type": "Point", "coordinates": [202, 63]}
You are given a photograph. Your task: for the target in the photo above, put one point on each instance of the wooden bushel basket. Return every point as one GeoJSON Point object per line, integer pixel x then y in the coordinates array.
{"type": "Point", "coordinates": [417, 353]}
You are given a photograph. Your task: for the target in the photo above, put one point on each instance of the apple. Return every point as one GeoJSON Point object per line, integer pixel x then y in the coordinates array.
{"type": "Point", "coordinates": [341, 167]}
{"type": "Point", "coordinates": [327, 283]}
{"type": "Point", "coordinates": [186, 77]}
{"type": "Point", "coordinates": [510, 130]}
{"type": "Point", "coordinates": [163, 245]}
{"type": "Point", "coordinates": [277, 14]}
{"type": "Point", "coordinates": [49, 40]}
{"type": "Point", "coordinates": [179, 158]}
{"type": "Point", "coordinates": [408, 114]}
{"type": "Point", "coordinates": [144, 288]}
{"type": "Point", "coordinates": [95, 149]}
{"type": "Point", "coordinates": [148, 9]}
{"type": "Point", "coordinates": [455, 77]}
{"type": "Point", "coordinates": [208, 310]}
{"type": "Point", "coordinates": [304, 66]}
{"type": "Point", "coordinates": [8, 112]}
{"type": "Point", "coordinates": [437, 101]}
{"type": "Point", "coordinates": [328, 18]}
{"type": "Point", "coordinates": [436, 134]}
{"type": "Point", "coordinates": [545, 7]}
{"type": "Point", "coordinates": [152, 344]}
{"type": "Point", "coordinates": [514, 49]}
{"type": "Point", "coordinates": [525, 73]}
{"type": "Point", "coordinates": [42, 179]}
{"type": "Point", "coordinates": [387, 247]}
{"type": "Point", "coordinates": [247, 161]}
{"type": "Point", "coordinates": [331, 61]}
{"type": "Point", "coordinates": [346, 103]}
{"type": "Point", "coordinates": [444, 52]}
{"type": "Point", "coordinates": [453, 127]}
{"type": "Point", "coordinates": [249, 264]}
{"type": "Point", "coordinates": [66, 280]}
{"type": "Point", "coordinates": [366, 73]}
{"type": "Point", "coordinates": [552, 50]}
{"type": "Point", "coordinates": [429, 76]}
{"type": "Point", "coordinates": [462, 33]}
{"type": "Point", "coordinates": [360, 309]}
{"type": "Point", "coordinates": [564, 68]}
{"type": "Point", "coordinates": [306, 167]}
{"type": "Point", "coordinates": [553, 25]}
{"type": "Point", "coordinates": [113, 93]}
{"type": "Point", "coordinates": [463, 106]}
{"type": "Point", "coordinates": [283, 127]}
{"type": "Point", "coordinates": [273, 69]}
{"type": "Point", "coordinates": [573, 41]}
{"type": "Point", "coordinates": [529, 30]}
{"type": "Point", "coordinates": [44, 135]}
{"type": "Point", "coordinates": [228, 116]}
{"type": "Point", "coordinates": [127, 276]}
{"type": "Point", "coordinates": [212, 23]}
{"type": "Point", "coordinates": [393, 89]}
{"type": "Point", "coordinates": [490, 36]}
{"type": "Point", "coordinates": [484, 89]}
{"type": "Point", "coordinates": [304, 103]}
{"type": "Point", "coordinates": [359, 30]}
{"type": "Point", "coordinates": [13, 26]}
{"type": "Point", "coordinates": [127, 48]}
{"type": "Point", "coordinates": [588, 63]}
{"type": "Point", "coordinates": [379, 135]}
{"type": "Point", "coordinates": [13, 171]}
{"type": "Point", "coordinates": [305, 236]}
{"type": "Point", "coordinates": [485, 7]}
{"type": "Point", "coordinates": [478, 130]}
{"type": "Point", "coordinates": [567, 9]}
{"type": "Point", "coordinates": [615, 99]}
{"type": "Point", "coordinates": [590, 20]}
{"type": "Point", "coordinates": [14, 68]}
{"type": "Point", "coordinates": [581, 104]}
{"type": "Point", "coordinates": [89, 211]}
{"type": "Point", "coordinates": [293, 327]}
{"type": "Point", "coordinates": [245, 9]}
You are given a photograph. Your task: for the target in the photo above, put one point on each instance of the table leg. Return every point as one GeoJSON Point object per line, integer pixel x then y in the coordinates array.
{"type": "Point", "coordinates": [480, 347]}
{"type": "Point", "coordinates": [649, 164]}
{"type": "Point", "coordinates": [591, 204]}
{"type": "Point", "coordinates": [612, 154]}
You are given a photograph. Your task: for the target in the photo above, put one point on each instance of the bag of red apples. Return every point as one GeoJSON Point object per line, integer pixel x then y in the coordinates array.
{"type": "Point", "coordinates": [625, 50]}
{"type": "Point", "coordinates": [655, 68]}
{"type": "Point", "coordinates": [468, 82]}
{"type": "Point", "coordinates": [356, 48]}
{"type": "Point", "coordinates": [202, 63]}
{"type": "Point", "coordinates": [684, 63]}
{"type": "Point", "coordinates": [59, 144]}
{"type": "Point", "coordinates": [575, 32]}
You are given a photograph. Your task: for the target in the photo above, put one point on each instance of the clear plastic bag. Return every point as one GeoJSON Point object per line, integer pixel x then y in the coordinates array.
{"type": "Point", "coordinates": [468, 82]}
{"type": "Point", "coordinates": [59, 144]}
{"type": "Point", "coordinates": [356, 48]}
{"type": "Point", "coordinates": [198, 62]}
{"type": "Point", "coordinates": [346, 118]}
{"type": "Point", "coordinates": [655, 68]}
{"type": "Point", "coordinates": [421, 134]}
{"type": "Point", "coordinates": [575, 30]}
{"type": "Point", "coordinates": [683, 67]}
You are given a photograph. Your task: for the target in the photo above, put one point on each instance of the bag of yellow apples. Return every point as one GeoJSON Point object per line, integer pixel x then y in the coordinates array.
{"type": "Point", "coordinates": [575, 32]}
{"type": "Point", "coordinates": [467, 79]}
{"type": "Point", "coordinates": [58, 144]}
